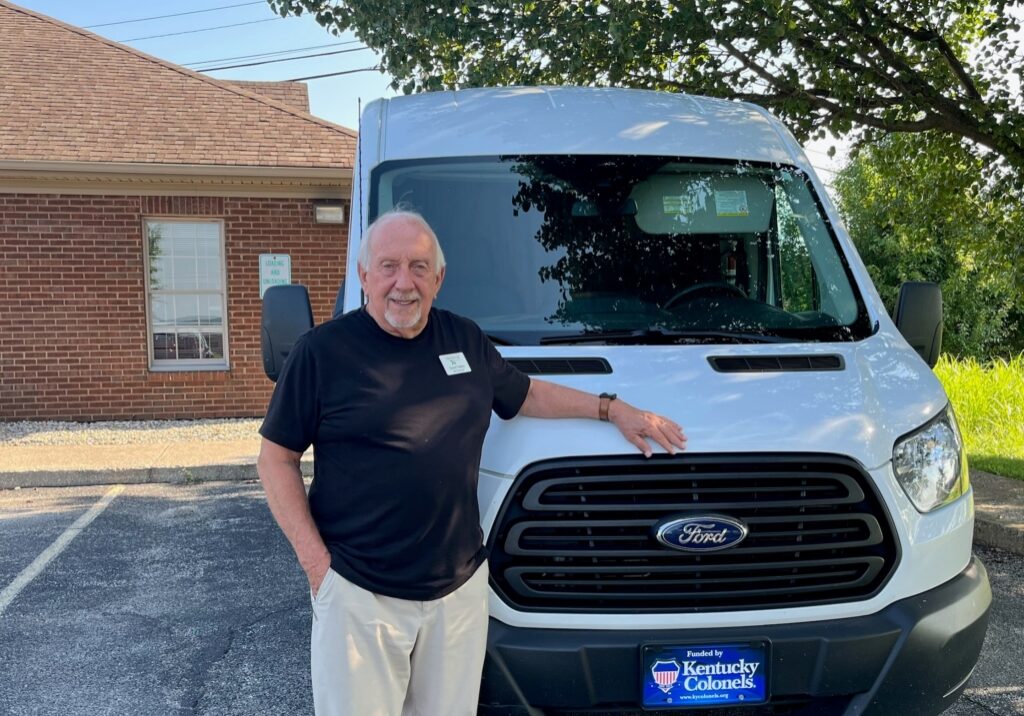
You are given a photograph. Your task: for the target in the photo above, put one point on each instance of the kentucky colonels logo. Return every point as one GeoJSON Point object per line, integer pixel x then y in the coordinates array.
{"type": "Point", "coordinates": [665, 674]}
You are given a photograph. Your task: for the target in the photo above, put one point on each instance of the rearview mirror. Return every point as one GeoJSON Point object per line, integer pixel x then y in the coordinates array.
{"type": "Point", "coordinates": [918, 315]}
{"type": "Point", "coordinates": [287, 314]}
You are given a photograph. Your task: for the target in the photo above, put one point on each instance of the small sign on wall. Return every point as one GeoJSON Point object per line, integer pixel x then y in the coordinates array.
{"type": "Point", "coordinates": [275, 270]}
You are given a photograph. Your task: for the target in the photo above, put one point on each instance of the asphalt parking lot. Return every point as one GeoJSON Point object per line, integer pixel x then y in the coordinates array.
{"type": "Point", "coordinates": [186, 600]}
{"type": "Point", "coordinates": [174, 600]}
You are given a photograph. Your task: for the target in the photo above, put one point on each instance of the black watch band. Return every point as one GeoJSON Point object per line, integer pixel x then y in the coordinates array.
{"type": "Point", "coordinates": [606, 401]}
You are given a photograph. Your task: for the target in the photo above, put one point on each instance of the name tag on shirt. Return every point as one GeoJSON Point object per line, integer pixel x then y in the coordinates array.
{"type": "Point", "coordinates": [455, 363]}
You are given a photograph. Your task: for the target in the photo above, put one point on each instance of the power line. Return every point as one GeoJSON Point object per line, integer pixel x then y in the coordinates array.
{"type": "Point", "coordinates": [332, 74]}
{"type": "Point", "coordinates": [816, 151]}
{"type": "Point", "coordinates": [201, 29]}
{"type": "Point", "coordinates": [177, 14]}
{"type": "Point", "coordinates": [268, 54]}
{"type": "Point", "coordinates": [827, 184]}
{"type": "Point", "coordinates": [285, 59]}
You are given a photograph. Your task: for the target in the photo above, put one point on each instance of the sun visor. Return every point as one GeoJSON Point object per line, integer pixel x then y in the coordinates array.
{"type": "Point", "coordinates": [702, 204]}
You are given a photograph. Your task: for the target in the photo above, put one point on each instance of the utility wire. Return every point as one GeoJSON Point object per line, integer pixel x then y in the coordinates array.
{"type": "Point", "coordinates": [822, 153]}
{"type": "Point", "coordinates": [268, 54]}
{"type": "Point", "coordinates": [177, 14]}
{"type": "Point", "coordinates": [827, 170]}
{"type": "Point", "coordinates": [822, 178]}
{"type": "Point", "coordinates": [332, 74]}
{"type": "Point", "coordinates": [201, 29]}
{"type": "Point", "coordinates": [285, 59]}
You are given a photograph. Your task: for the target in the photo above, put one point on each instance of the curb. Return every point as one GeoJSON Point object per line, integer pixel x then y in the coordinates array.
{"type": "Point", "coordinates": [999, 516]}
{"type": "Point", "coordinates": [994, 534]}
{"type": "Point", "coordinates": [136, 476]}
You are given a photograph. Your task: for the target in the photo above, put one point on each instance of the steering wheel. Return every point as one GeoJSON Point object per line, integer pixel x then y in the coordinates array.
{"type": "Point", "coordinates": [712, 287]}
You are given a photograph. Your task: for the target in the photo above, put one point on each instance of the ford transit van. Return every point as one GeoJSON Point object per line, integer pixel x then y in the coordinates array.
{"type": "Point", "coordinates": [810, 552]}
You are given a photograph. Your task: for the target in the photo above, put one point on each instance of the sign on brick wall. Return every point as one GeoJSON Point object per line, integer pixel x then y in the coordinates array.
{"type": "Point", "coordinates": [275, 270]}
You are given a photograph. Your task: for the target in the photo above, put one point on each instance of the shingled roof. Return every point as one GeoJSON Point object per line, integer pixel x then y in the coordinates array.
{"type": "Point", "coordinates": [68, 95]}
{"type": "Point", "coordinates": [293, 94]}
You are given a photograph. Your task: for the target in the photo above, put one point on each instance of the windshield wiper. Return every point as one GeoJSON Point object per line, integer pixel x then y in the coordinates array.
{"type": "Point", "coordinates": [660, 336]}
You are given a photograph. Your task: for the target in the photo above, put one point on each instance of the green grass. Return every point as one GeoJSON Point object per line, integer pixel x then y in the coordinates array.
{"type": "Point", "coordinates": [989, 402]}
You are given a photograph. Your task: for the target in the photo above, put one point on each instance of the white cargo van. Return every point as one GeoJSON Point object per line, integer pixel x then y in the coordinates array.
{"type": "Point", "coordinates": [810, 553]}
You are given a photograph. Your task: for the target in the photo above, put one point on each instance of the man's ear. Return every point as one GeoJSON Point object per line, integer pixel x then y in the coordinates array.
{"type": "Point", "coordinates": [362, 280]}
{"type": "Point", "coordinates": [440, 279]}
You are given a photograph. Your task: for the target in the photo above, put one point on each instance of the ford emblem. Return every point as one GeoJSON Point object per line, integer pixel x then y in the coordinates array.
{"type": "Point", "coordinates": [701, 533]}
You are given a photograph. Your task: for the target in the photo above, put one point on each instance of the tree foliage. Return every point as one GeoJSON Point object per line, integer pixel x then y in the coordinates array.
{"type": "Point", "coordinates": [920, 208]}
{"type": "Point", "coordinates": [865, 66]}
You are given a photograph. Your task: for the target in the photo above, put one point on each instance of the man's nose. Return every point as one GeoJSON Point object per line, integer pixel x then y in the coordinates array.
{"type": "Point", "coordinates": [404, 279]}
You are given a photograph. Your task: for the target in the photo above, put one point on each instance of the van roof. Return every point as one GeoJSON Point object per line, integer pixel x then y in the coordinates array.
{"type": "Point", "coordinates": [580, 120]}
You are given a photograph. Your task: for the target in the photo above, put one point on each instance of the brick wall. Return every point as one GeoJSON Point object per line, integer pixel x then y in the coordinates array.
{"type": "Point", "coordinates": [73, 307]}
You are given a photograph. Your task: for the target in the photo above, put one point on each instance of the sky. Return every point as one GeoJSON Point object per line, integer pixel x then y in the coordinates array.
{"type": "Point", "coordinates": [199, 40]}
{"type": "Point", "coordinates": [333, 98]}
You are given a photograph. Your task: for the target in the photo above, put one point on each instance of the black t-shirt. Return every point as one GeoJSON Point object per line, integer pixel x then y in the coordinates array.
{"type": "Point", "coordinates": [397, 426]}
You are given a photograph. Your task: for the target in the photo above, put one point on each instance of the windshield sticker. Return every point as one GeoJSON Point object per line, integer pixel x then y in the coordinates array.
{"type": "Point", "coordinates": [731, 203]}
{"type": "Point", "coordinates": [680, 205]}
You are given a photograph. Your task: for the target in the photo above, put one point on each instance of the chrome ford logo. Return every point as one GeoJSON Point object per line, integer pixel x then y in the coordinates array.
{"type": "Point", "coordinates": [701, 533]}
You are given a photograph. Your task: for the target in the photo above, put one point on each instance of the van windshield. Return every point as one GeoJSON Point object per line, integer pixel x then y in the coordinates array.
{"type": "Point", "coordinates": [635, 249]}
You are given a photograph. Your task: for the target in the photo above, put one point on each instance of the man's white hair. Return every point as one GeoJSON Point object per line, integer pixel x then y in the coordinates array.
{"type": "Point", "coordinates": [366, 248]}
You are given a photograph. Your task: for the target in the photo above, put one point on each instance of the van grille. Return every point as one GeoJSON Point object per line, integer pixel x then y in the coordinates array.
{"type": "Point", "coordinates": [578, 535]}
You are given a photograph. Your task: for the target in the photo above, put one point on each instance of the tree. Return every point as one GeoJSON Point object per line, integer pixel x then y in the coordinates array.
{"type": "Point", "coordinates": [919, 207]}
{"type": "Point", "coordinates": [866, 66]}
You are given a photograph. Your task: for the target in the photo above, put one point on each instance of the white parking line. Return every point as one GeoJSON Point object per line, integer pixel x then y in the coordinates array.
{"type": "Point", "coordinates": [39, 564]}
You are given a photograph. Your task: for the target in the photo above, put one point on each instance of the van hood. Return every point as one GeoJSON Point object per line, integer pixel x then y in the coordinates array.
{"type": "Point", "coordinates": [883, 391]}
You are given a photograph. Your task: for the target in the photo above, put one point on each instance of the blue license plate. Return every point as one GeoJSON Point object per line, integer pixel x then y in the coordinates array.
{"type": "Point", "coordinates": [700, 675]}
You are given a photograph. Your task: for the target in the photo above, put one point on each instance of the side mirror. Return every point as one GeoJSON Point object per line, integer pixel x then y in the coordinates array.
{"type": "Point", "coordinates": [339, 301]}
{"type": "Point", "coordinates": [918, 315]}
{"type": "Point", "coordinates": [287, 314]}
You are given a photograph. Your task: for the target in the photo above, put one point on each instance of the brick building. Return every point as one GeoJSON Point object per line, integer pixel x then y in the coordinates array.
{"type": "Point", "coordinates": [136, 199]}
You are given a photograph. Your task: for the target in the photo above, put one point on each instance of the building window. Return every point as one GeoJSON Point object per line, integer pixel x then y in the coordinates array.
{"type": "Point", "coordinates": [186, 294]}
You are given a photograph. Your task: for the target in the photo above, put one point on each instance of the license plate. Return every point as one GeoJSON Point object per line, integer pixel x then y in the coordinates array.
{"type": "Point", "coordinates": [700, 675]}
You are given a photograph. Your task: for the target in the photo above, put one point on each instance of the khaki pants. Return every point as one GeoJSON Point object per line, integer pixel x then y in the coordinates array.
{"type": "Point", "coordinates": [380, 656]}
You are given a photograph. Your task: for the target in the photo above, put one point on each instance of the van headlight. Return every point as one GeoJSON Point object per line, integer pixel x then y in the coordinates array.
{"type": "Point", "coordinates": [931, 463]}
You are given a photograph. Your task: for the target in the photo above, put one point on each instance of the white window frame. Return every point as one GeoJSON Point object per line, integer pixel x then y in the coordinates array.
{"type": "Point", "coordinates": [190, 364]}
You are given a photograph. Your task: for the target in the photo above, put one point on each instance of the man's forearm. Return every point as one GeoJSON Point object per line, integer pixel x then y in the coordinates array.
{"type": "Point", "coordinates": [286, 495]}
{"type": "Point", "coordinates": [550, 400]}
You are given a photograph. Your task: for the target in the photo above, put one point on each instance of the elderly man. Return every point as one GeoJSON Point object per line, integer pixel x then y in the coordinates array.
{"type": "Point", "coordinates": [396, 398]}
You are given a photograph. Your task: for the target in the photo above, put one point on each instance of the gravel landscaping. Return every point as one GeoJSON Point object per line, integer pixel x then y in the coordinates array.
{"type": "Point", "coordinates": [126, 432]}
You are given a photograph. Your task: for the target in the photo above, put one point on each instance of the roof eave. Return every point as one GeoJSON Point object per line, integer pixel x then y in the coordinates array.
{"type": "Point", "coordinates": [48, 177]}
{"type": "Point", "coordinates": [149, 168]}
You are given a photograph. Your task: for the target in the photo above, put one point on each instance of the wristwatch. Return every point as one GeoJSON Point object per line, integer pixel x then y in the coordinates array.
{"type": "Point", "coordinates": [606, 401]}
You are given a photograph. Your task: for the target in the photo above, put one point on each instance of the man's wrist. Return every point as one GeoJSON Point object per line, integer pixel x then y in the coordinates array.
{"type": "Point", "coordinates": [315, 562]}
{"type": "Point", "coordinates": [605, 401]}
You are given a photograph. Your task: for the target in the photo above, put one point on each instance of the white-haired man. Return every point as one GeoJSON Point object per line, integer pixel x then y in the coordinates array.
{"type": "Point", "coordinates": [396, 399]}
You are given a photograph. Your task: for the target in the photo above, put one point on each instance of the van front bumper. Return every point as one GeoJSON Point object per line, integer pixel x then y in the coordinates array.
{"type": "Point", "coordinates": [914, 657]}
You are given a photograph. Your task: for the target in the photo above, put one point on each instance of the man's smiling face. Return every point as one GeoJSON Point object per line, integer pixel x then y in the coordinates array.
{"type": "Point", "coordinates": [401, 280]}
